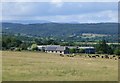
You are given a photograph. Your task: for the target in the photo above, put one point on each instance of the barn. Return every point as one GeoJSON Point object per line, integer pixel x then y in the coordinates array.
{"type": "Point", "coordinates": [88, 50]}
{"type": "Point", "coordinates": [57, 49]}
{"type": "Point", "coordinates": [64, 49]}
{"type": "Point", "coordinates": [42, 48]}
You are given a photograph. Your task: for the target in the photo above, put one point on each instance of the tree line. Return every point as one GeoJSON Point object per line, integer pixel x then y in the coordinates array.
{"type": "Point", "coordinates": [10, 42]}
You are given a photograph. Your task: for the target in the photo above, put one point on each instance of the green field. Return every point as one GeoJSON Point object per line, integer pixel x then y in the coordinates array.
{"type": "Point", "coordinates": [36, 66]}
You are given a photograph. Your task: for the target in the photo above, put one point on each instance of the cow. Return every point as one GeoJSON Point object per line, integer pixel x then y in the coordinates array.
{"type": "Point", "coordinates": [61, 55]}
{"type": "Point", "coordinates": [110, 57]}
{"type": "Point", "coordinates": [113, 56]}
{"type": "Point", "coordinates": [93, 56]}
{"type": "Point", "coordinates": [119, 57]}
{"type": "Point", "coordinates": [106, 56]}
{"type": "Point", "coordinates": [67, 55]}
{"type": "Point", "coordinates": [89, 56]}
{"type": "Point", "coordinates": [97, 55]}
{"type": "Point", "coordinates": [102, 56]}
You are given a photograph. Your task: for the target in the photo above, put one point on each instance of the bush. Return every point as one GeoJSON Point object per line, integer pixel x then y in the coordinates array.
{"type": "Point", "coordinates": [117, 52]}
{"type": "Point", "coordinates": [72, 50]}
{"type": "Point", "coordinates": [82, 51]}
{"type": "Point", "coordinates": [34, 47]}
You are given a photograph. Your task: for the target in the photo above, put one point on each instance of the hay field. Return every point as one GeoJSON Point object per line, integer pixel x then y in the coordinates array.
{"type": "Point", "coordinates": [36, 66]}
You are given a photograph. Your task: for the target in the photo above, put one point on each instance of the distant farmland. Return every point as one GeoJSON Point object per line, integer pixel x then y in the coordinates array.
{"type": "Point", "coordinates": [35, 66]}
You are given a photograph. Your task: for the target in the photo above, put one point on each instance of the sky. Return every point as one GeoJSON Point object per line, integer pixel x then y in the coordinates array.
{"type": "Point", "coordinates": [59, 11]}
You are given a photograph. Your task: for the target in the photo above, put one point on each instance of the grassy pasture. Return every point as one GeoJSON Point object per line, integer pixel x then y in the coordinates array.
{"type": "Point", "coordinates": [36, 66]}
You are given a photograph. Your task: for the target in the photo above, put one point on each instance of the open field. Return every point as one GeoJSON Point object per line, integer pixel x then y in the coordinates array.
{"type": "Point", "coordinates": [35, 66]}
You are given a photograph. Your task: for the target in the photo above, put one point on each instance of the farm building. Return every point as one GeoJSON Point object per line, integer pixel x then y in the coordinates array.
{"type": "Point", "coordinates": [64, 49]}
{"type": "Point", "coordinates": [42, 48]}
{"type": "Point", "coordinates": [72, 47]}
{"type": "Point", "coordinates": [57, 49]}
{"type": "Point", "coordinates": [88, 50]}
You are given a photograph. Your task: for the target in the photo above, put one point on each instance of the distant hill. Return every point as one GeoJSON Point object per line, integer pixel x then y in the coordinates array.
{"type": "Point", "coordinates": [60, 29]}
{"type": "Point", "coordinates": [26, 21]}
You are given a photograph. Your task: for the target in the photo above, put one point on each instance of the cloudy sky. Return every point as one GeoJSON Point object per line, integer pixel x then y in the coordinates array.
{"type": "Point", "coordinates": [80, 12]}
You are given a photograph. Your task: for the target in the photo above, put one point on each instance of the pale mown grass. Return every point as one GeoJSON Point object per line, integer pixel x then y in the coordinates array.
{"type": "Point", "coordinates": [35, 66]}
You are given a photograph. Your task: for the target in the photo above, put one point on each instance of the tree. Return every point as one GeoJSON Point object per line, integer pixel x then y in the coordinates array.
{"type": "Point", "coordinates": [72, 50]}
{"type": "Point", "coordinates": [51, 42]}
{"type": "Point", "coordinates": [9, 41]}
{"type": "Point", "coordinates": [34, 47]}
{"type": "Point", "coordinates": [38, 41]}
{"type": "Point", "coordinates": [110, 50]}
{"type": "Point", "coordinates": [24, 46]}
{"type": "Point", "coordinates": [102, 47]}
{"type": "Point", "coordinates": [117, 51]}
{"type": "Point", "coordinates": [81, 51]}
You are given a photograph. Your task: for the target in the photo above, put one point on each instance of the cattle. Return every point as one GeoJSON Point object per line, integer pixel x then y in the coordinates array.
{"type": "Point", "coordinates": [118, 57]}
{"type": "Point", "coordinates": [89, 56]}
{"type": "Point", "coordinates": [110, 57]}
{"type": "Point", "coordinates": [67, 55]}
{"type": "Point", "coordinates": [102, 56]}
{"type": "Point", "coordinates": [113, 56]}
{"type": "Point", "coordinates": [93, 56]}
{"type": "Point", "coordinates": [70, 55]}
{"type": "Point", "coordinates": [106, 56]}
{"type": "Point", "coordinates": [97, 55]}
{"type": "Point", "coordinates": [61, 55]}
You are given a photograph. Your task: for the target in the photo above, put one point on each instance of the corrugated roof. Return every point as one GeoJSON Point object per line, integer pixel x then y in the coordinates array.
{"type": "Point", "coordinates": [60, 48]}
{"type": "Point", "coordinates": [55, 48]}
{"type": "Point", "coordinates": [86, 47]}
{"type": "Point", "coordinates": [51, 48]}
{"type": "Point", "coordinates": [72, 47]}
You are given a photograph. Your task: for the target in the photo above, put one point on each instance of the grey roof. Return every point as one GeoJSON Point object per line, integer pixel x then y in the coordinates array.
{"type": "Point", "coordinates": [86, 47]}
{"type": "Point", "coordinates": [72, 47]}
{"type": "Point", "coordinates": [41, 47]}
{"type": "Point", "coordinates": [54, 45]}
{"type": "Point", "coordinates": [61, 48]}
{"type": "Point", "coordinates": [50, 48]}
{"type": "Point", "coordinates": [55, 48]}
